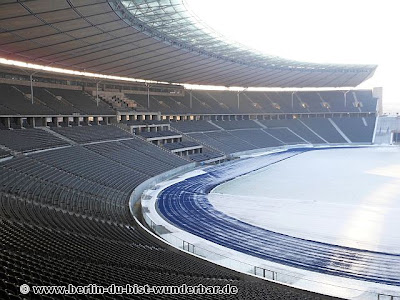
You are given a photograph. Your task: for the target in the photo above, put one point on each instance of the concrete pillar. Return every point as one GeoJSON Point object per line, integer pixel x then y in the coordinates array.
{"type": "Point", "coordinates": [76, 121]}
{"type": "Point", "coordinates": [5, 122]}
{"type": "Point", "coordinates": [65, 121]}
{"type": "Point", "coordinates": [30, 122]}
{"type": "Point", "coordinates": [112, 120]}
{"type": "Point", "coordinates": [39, 121]}
{"type": "Point", "coordinates": [54, 120]}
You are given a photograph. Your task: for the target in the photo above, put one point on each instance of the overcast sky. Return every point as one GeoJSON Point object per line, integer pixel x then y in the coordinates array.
{"type": "Point", "coordinates": [331, 31]}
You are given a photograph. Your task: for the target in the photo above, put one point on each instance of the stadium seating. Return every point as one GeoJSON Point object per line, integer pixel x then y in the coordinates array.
{"type": "Point", "coordinates": [65, 219]}
{"type": "Point", "coordinates": [180, 145]}
{"type": "Point", "coordinates": [324, 128]}
{"type": "Point", "coordinates": [297, 127]}
{"type": "Point", "coordinates": [205, 155]}
{"type": "Point", "coordinates": [64, 213]}
{"type": "Point", "coordinates": [193, 126]}
{"type": "Point", "coordinates": [257, 137]}
{"type": "Point", "coordinates": [13, 102]}
{"type": "Point", "coordinates": [396, 137]}
{"type": "Point", "coordinates": [29, 139]}
{"type": "Point", "coordinates": [164, 133]}
{"type": "Point", "coordinates": [45, 96]}
{"type": "Point", "coordinates": [358, 130]}
{"type": "Point", "coordinates": [82, 101]}
{"type": "Point", "coordinates": [87, 134]}
{"type": "Point", "coordinates": [4, 153]}
{"type": "Point", "coordinates": [231, 125]}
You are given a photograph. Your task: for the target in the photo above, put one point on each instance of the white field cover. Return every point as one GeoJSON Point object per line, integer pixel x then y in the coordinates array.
{"type": "Point", "coordinates": [348, 197]}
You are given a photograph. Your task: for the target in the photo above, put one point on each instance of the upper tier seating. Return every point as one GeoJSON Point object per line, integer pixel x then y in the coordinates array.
{"type": "Point", "coordinates": [245, 135]}
{"type": "Point", "coordinates": [83, 101]}
{"type": "Point", "coordinates": [14, 102]}
{"type": "Point", "coordinates": [50, 101]}
{"type": "Point", "coordinates": [224, 102]}
{"type": "Point", "coordinates": [58, 105]}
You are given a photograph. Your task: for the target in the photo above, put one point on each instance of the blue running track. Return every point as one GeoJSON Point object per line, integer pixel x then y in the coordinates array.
{"type": "Point", "coordinates": [185, 205]}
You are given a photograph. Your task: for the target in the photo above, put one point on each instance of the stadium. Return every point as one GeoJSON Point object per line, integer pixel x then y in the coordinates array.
{"type": "Point", "coordinates": [145, 156]}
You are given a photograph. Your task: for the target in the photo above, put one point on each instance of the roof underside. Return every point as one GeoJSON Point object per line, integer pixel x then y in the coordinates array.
{"type": "Point", "coordinates": [153, 40]}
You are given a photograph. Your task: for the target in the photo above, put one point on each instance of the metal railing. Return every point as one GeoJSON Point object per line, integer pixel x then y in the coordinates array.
{"type": "Point", "coordinates": [280, 276]}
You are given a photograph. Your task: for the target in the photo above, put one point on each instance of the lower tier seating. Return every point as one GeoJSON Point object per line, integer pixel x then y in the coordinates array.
{"type": "Point", "coordinates": [65, 219]}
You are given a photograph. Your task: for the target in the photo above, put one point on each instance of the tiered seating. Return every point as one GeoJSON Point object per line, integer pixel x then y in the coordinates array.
{"type": "Point", "coordinates": [295, 126]}
{"type": "Point", "coordinates": [231, 125]}
{"type": "Point", "coordinates": [164, 133]}
{"type": "Point", "coordinates": [285, 135]}
{"type": "Point", "coordinates": [263, 101]}
{"type": "Point", "coordinates": [223, 141]}
{"type": "Point", "coordinates": [180, 145]}
{"type": "Point", "coordinates": [65, 219]}
{"type": "Point", "coordinates": [154, 152]}
{"type": "Point", "coordinates": [313, 101]}
{"type": "Point", "coordinates": [396, 137]}
{"type": "Point", "coordinates": [224, 102]}
{"type": "Point", "coordinates": [4, 153]}
{"type": "Point", "coordinates": [205, 155]}
{"type": "Point", "coordinates": [145, 122]}
{"type": "Point", "coordinates": [128, 156]}
{"type": "Point", "coordinates": [29, 139]}
{"type": "Point", "coordinates": [13, 102]}
{"type": "Point", "coordinates": [193, 126]}
{"type": "Point", "coordinates": [358, 130]}
{"type": "Point", "coordinates": [84, 102]}
{"type": "Point", "coordinates": [4, 110]}
{"type": "Point", "coordinates": [60, 106]}
{"type": "Point", "coordinates": [97, 168]}
{"type": "Point", "coordinates": [257, 137]}
{"type": "Point", "coordinates": [208, 103]}
{"type": "Point", "coordinates": [87, 134]}
{"type": "Point", "coordinates": [325, 129]}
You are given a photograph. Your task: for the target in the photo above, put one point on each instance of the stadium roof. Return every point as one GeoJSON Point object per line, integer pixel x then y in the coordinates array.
{"type": "Point", "coordinates": [157, 40]}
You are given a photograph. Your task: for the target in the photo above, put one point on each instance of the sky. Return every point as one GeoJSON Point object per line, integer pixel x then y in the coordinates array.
{"type": "Point", "coordinates": [323, 31]}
